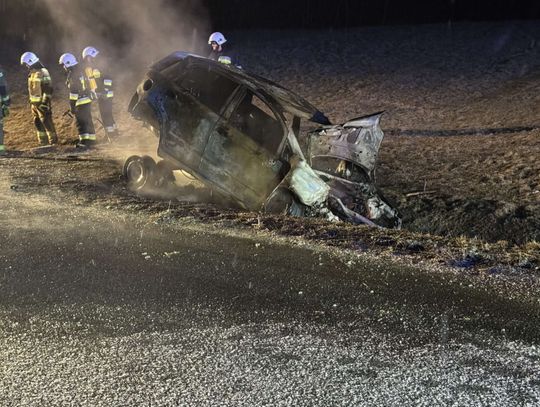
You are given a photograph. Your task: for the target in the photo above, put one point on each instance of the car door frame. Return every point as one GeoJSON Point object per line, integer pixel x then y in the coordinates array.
{"type": "Point", "coordinates": [180, 92]}
{"type": "Point", "coordinates": [273, 157]}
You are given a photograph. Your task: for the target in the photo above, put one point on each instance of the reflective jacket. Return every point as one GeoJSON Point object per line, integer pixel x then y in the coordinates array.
{"type": "Point", "coordinates": [40, 88]}
{"type": "Point", "coordinates": [99, 82]}
{"type": "Point", "coordinates": [79, 88]}
{"type": "Point", "coordinates": [226, 56]}
{"type": "Point", "coordinates": [4, 95]}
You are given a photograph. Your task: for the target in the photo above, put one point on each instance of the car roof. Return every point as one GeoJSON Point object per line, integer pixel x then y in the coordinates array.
{"type": "Point", "coordinates": [290, 101]}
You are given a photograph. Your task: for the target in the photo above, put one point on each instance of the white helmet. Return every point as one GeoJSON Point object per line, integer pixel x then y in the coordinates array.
{"type": "Point", "coordinates": [90, 52]}
{"type": "Point", "coordinates": [68, 60]}
{"type": "Point", "coordinates": [29, 59]}
{"type": "Point", "coordinates": [218, 38]}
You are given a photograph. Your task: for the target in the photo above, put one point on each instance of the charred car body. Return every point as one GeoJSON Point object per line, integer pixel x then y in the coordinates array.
{"type": "Point", "coordinates": [240, 134]}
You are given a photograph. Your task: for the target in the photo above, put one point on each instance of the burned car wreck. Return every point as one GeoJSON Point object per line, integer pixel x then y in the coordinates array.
{"type": "Point", "coordinates": [240, 134]}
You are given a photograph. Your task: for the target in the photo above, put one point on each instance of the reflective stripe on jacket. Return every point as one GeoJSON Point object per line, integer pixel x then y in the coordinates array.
{"type": "Point", "coordinates": [99, 82]}
{"type": "Point", "coordinates": [79, 88]}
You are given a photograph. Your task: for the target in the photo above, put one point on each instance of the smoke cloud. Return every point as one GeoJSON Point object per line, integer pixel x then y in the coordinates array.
{"type": "Point", "coordinates": [132, 33]}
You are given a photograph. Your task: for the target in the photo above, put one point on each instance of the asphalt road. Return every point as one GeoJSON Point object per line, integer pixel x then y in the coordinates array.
{"type": "Point", "coordinates": [109, 308]}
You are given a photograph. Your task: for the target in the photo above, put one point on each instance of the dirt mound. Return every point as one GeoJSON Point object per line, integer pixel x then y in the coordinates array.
{"type": "Point", "coordinates": [478, 186]}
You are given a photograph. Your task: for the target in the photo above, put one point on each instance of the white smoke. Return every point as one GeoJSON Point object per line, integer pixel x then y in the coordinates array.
{"type": "Point", "coordinates": [133, 33]}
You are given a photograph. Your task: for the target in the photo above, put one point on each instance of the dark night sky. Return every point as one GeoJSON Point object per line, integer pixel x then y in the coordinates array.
{"type": "Point", "coordinates": [232, 14]}
{"type": "Point", "coordinates": [24, 19]}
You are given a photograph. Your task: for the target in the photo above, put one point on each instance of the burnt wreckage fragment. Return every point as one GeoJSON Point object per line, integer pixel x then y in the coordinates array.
{"type": "Point", "coordinates": [241, 135]}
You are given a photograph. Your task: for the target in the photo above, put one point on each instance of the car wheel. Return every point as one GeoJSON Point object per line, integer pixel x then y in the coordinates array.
{"type": "Point", "coordinates": [163, 175]}
{"type": "Point", "coordinates": [283, 202]}
{"type": "Point", "coordinates": [139, 171]}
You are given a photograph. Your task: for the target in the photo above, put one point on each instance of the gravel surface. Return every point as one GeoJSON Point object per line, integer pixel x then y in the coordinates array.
{"type": "Point", "coordinates": [109, 308]}
{"type": "Point", "coordinates": [285, 364]}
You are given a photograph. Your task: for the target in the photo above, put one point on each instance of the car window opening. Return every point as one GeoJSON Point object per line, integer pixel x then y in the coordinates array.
{"type": "Point", "coordinates": [172, 71]}
{"type": "Point", "coordinates": [255, 119]}
{"type": "Point", "coordinates": [210, 88]}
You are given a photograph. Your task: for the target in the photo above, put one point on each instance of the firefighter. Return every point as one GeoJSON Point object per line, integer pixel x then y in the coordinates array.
{"type": "Point", "coordinates": [101, 85]}
{"type": "Point", "coordinates": [218, 53]}
{"type": "Point", "coordinates": [80, 99]}
{"type": "Point", "coordinates": [4, 108]}
{"type": "Point", "coordinates": [40, 93]}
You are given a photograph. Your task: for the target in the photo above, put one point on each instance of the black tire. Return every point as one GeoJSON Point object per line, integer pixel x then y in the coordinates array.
{"type": "Point", "coordinates": [139, 172]}
{"type": "Point", "coordinates": [164, 174]}
{"type": "Point", "coordinates": [127, 164]}
{"type": "Point", "coordinates": [283, 202]}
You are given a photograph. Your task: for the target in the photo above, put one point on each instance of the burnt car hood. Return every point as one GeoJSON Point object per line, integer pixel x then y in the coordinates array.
{"type": "Point", "coordinates": [358, 141]}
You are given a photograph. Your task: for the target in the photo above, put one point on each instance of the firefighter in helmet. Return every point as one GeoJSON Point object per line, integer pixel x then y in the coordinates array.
{"type": "Point", "coordinates": [4, 108]}
{"type": "Point", "coordinates": [40, 93]}
{"type": "Point", "coordinates": [80, 99]}
{"type": "Point", "coordinates": [101, 85]}
{"type": "Point", "coordinates": [219, 52]}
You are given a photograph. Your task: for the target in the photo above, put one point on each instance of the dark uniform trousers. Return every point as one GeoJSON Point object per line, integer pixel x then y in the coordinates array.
{"type": "Point", "coordinates": [81, 105]}
{"type": "Point", "coordinates": [85, 125]}
{"type": "Point", "coordinates": [102, 85]}
{"type": "Point", "coordinates": [106, 111]}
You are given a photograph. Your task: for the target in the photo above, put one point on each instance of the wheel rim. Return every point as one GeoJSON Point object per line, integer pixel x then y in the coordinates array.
{"type": "Point", "coordinates": [136, 173]}
{"type": "Point", "coordinates": [138, 170]}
